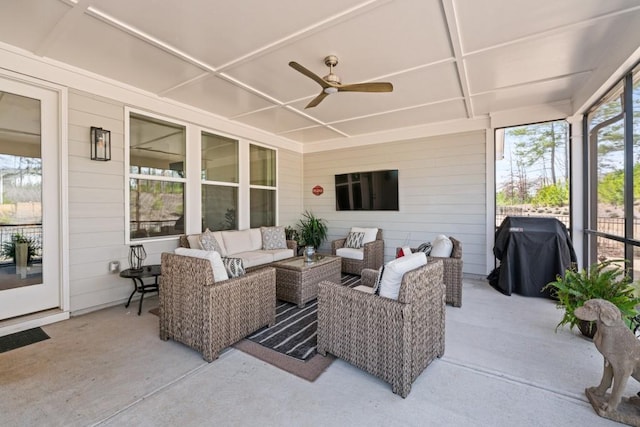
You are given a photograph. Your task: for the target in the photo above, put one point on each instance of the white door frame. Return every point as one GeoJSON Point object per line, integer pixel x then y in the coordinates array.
{"type": "Point", "coordinates": [62, 311]}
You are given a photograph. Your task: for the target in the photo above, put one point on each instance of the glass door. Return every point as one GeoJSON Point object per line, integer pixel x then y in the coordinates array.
{"type": "Point", "coordinates": [29, 202]}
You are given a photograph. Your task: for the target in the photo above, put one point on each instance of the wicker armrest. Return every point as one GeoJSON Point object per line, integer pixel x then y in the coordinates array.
{"type": "Point", "coordinates": [373, 254]}
{"type": "Point", "coordinates": [337, 244]}
{"type": "Point", "coordinates": [369, 277]}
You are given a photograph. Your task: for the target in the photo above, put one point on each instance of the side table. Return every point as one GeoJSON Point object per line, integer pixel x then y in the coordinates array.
{"type": "Point", "coordinates": [138, 283]}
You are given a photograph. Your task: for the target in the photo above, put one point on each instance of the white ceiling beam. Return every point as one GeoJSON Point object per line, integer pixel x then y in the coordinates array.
{"type": "Point", "coordinates": [456, 45]}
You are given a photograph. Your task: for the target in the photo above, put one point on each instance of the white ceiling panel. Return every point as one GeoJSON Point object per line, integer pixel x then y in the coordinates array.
{"type": "Point", "coordinates": [276, 120]}
{"type": "Point", "coordinates": [368, 46]}
{"type": "Point", "coordinates": [314, 134]}
{"type": "Point", "coordinates": [523, 96]}
{"type": "Point", "coordinates": [534, 60]}
{"type": "Point", "coordinates": [95, 46]}
{"type": "Point", "coordinates": [443, 111]}
{"type": "Point", "coordinates": [215, 94]}
{"type": "Point", "coordinates": [220, 31]}
{"type": "Point", "coordinates": [26, 23]}
{"type": "Point", "coordinates": [514, 19]}
{"type": "Point", "coordinates": [231, 58]}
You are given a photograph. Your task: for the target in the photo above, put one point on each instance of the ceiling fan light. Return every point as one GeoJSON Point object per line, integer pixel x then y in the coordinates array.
{"type": "Point", "coordinates": [329, 90]}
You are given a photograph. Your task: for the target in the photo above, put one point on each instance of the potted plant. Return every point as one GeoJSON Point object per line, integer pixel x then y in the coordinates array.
{"type": "Point", "coordinates": [312, 230]}
{"type": "Point", "coordinates": [605, 280]}
{"type": "Point", "coordinates": [10, 249]}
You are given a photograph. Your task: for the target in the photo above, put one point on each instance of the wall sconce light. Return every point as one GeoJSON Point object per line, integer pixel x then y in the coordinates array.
{"type": "Point", "coordinates": [100, 144]}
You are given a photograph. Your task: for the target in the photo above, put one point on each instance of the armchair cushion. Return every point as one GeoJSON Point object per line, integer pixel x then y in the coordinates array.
{"type": "Point", "coordinates": [354, 240]}
{"type": "Point", "coordinates": [219, 271]}
{"type": "Point", "coordinates": [350, 253]}
{"type": "Point", "coordinates": [395, 270]}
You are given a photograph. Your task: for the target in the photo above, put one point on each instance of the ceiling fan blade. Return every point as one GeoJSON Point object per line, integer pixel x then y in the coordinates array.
{"type": "Point", "coordinates": [366, 87]}
{"type": "Point", "coordinates": [309, 74]}
{"type": "Point", "coordinates": [315, 101]}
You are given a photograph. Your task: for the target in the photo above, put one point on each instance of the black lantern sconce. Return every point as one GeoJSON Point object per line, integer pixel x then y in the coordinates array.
{"type": "Point", "coordinates": [100, 144]}
{"type": "Point", "coordinates": [137, 255]}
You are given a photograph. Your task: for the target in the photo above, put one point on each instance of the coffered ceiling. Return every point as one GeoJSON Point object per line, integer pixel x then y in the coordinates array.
{"type": "Point", "coordinates": [447, 59]}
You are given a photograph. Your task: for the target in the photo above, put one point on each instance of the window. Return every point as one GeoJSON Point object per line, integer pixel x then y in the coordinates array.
{"type": "Point", "coordinates": [612, 132]}
{"type": "Point", "coordinates": [262, 196]}
{"type": "Point", "coordinates": [532, 171]}
{"type": "Point", "coordinates": [219, 182]}
{"type": "Point", "coordinates": [156, 177]}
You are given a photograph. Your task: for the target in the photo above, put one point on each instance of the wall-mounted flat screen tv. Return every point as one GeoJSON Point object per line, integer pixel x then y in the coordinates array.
{"type": "Point", "coordinates": [367, 191]}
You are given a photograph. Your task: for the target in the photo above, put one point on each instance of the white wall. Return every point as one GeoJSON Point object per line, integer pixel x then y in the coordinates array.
{"type": "Point", "coordinates": [97, 211]}
{"type": "Point", "coordinates": [441, 190]}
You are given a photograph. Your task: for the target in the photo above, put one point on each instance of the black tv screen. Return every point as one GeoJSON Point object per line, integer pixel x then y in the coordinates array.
{"type": "Point", "coordinates": [367, 191]}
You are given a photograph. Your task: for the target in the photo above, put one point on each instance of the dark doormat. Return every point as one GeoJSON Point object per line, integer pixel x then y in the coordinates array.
{"type": "Point", "coordinates": [21, 339]}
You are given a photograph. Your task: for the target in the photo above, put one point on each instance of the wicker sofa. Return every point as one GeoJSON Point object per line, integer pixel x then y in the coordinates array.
{"type": "Point", "coordinates": [393, 340]}
{"type": "Point", "coordinates": [373, 255]}
{"type": "Point", "coordinates": [209, 316]}
{"type": "Point", "coordinates": [452, 273]}
{"type": "Point", "coordinates": [244, 244]}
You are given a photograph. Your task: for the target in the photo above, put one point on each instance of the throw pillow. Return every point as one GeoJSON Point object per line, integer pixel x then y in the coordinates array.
{"type": "Point", "coordinates": [219, 272]}
{"type": "Point", "coordinates": [441, 247]}
{"type": "Point", "coordinates": [370, 234]}
{"type": "Point", "coordinates": [376, 285]}
{"type": "Point", "coordinates": [394, 270]}
{"type": "Point", "coordinates": [234, 266]}
{"type": "Point", "coordinates": [273, 238]}
{"type": "Point", "coordinates": [425, 247]}
{"type": "Point", "coordinates": [209, 242]}
{"type": "Point", "coordinates": [354, 240]}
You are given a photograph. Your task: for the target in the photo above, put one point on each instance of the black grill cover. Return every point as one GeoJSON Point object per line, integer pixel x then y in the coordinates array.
{"type": "Point", "coordinates": [532, 252]}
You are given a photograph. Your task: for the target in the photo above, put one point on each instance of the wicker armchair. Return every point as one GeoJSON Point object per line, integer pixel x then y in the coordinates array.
{"type": "Point", "coordinates": [209, 316]}
{"type": "Point", "coordinates": [373, 255]}
{"type": "Point", "coordinates": [393, 340]}
{"type": "Point", "coordinates": [452, 273]}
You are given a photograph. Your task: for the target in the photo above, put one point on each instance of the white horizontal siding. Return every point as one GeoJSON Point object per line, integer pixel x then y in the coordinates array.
{"type": "Point", "coordinates": [442, 190]}
{"type": "Point", "coordinates": [289, 187]}
{"type": "Point", "coordinates": [97, 211]}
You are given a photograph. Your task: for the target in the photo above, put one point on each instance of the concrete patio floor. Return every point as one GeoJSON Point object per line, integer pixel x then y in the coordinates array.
{"type": "Point", "coordinates": [503, 366]}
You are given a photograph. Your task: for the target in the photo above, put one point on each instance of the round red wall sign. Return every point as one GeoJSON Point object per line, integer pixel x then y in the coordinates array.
{"type": "Point", "coordinates": [318, 190]}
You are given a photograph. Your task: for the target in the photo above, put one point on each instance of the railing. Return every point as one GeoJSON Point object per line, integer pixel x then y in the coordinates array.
{"type": "Point", "coordinates": [606, 247]}
{"type": "Point", "coordinates": [32, 232]}
{"type": "Point", "coordinates": [142, 229]}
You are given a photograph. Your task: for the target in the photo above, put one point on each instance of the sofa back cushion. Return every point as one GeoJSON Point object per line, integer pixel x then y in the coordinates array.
{"type": "Point", "coordinates": [256, 239]}
{"type": "Point", "coordinates": [219, 271]}
{"type": "Point", "coordinates": [239, 241]}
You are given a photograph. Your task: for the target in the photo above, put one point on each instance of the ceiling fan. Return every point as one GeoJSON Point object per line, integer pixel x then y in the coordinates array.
{"type": "Point", "coordinates": [331, 83]}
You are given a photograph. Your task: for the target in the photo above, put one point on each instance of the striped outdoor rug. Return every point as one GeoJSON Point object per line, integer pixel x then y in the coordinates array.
{"type": "Point", "coordinates": [294, 333]}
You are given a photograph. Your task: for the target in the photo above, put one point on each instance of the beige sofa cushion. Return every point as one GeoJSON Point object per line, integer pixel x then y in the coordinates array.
{"type": "Point", "coordinates": [256, 239]}
{"type": "Point", "coordinates": [280, 254]}
{"type": "Point", "coordinates": [239, 241]}
{"type": "Point", "coordinates": [253, 258]}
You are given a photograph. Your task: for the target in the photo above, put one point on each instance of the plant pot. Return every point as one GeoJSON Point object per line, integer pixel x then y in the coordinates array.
{"type": "Point", "coordinates": [588, 329]}
{"type": "Point", "coordinates": [22, 255]}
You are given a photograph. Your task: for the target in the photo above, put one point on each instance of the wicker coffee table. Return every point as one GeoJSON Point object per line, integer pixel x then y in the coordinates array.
{"type": "Point", "coordinates": [297, 280]}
